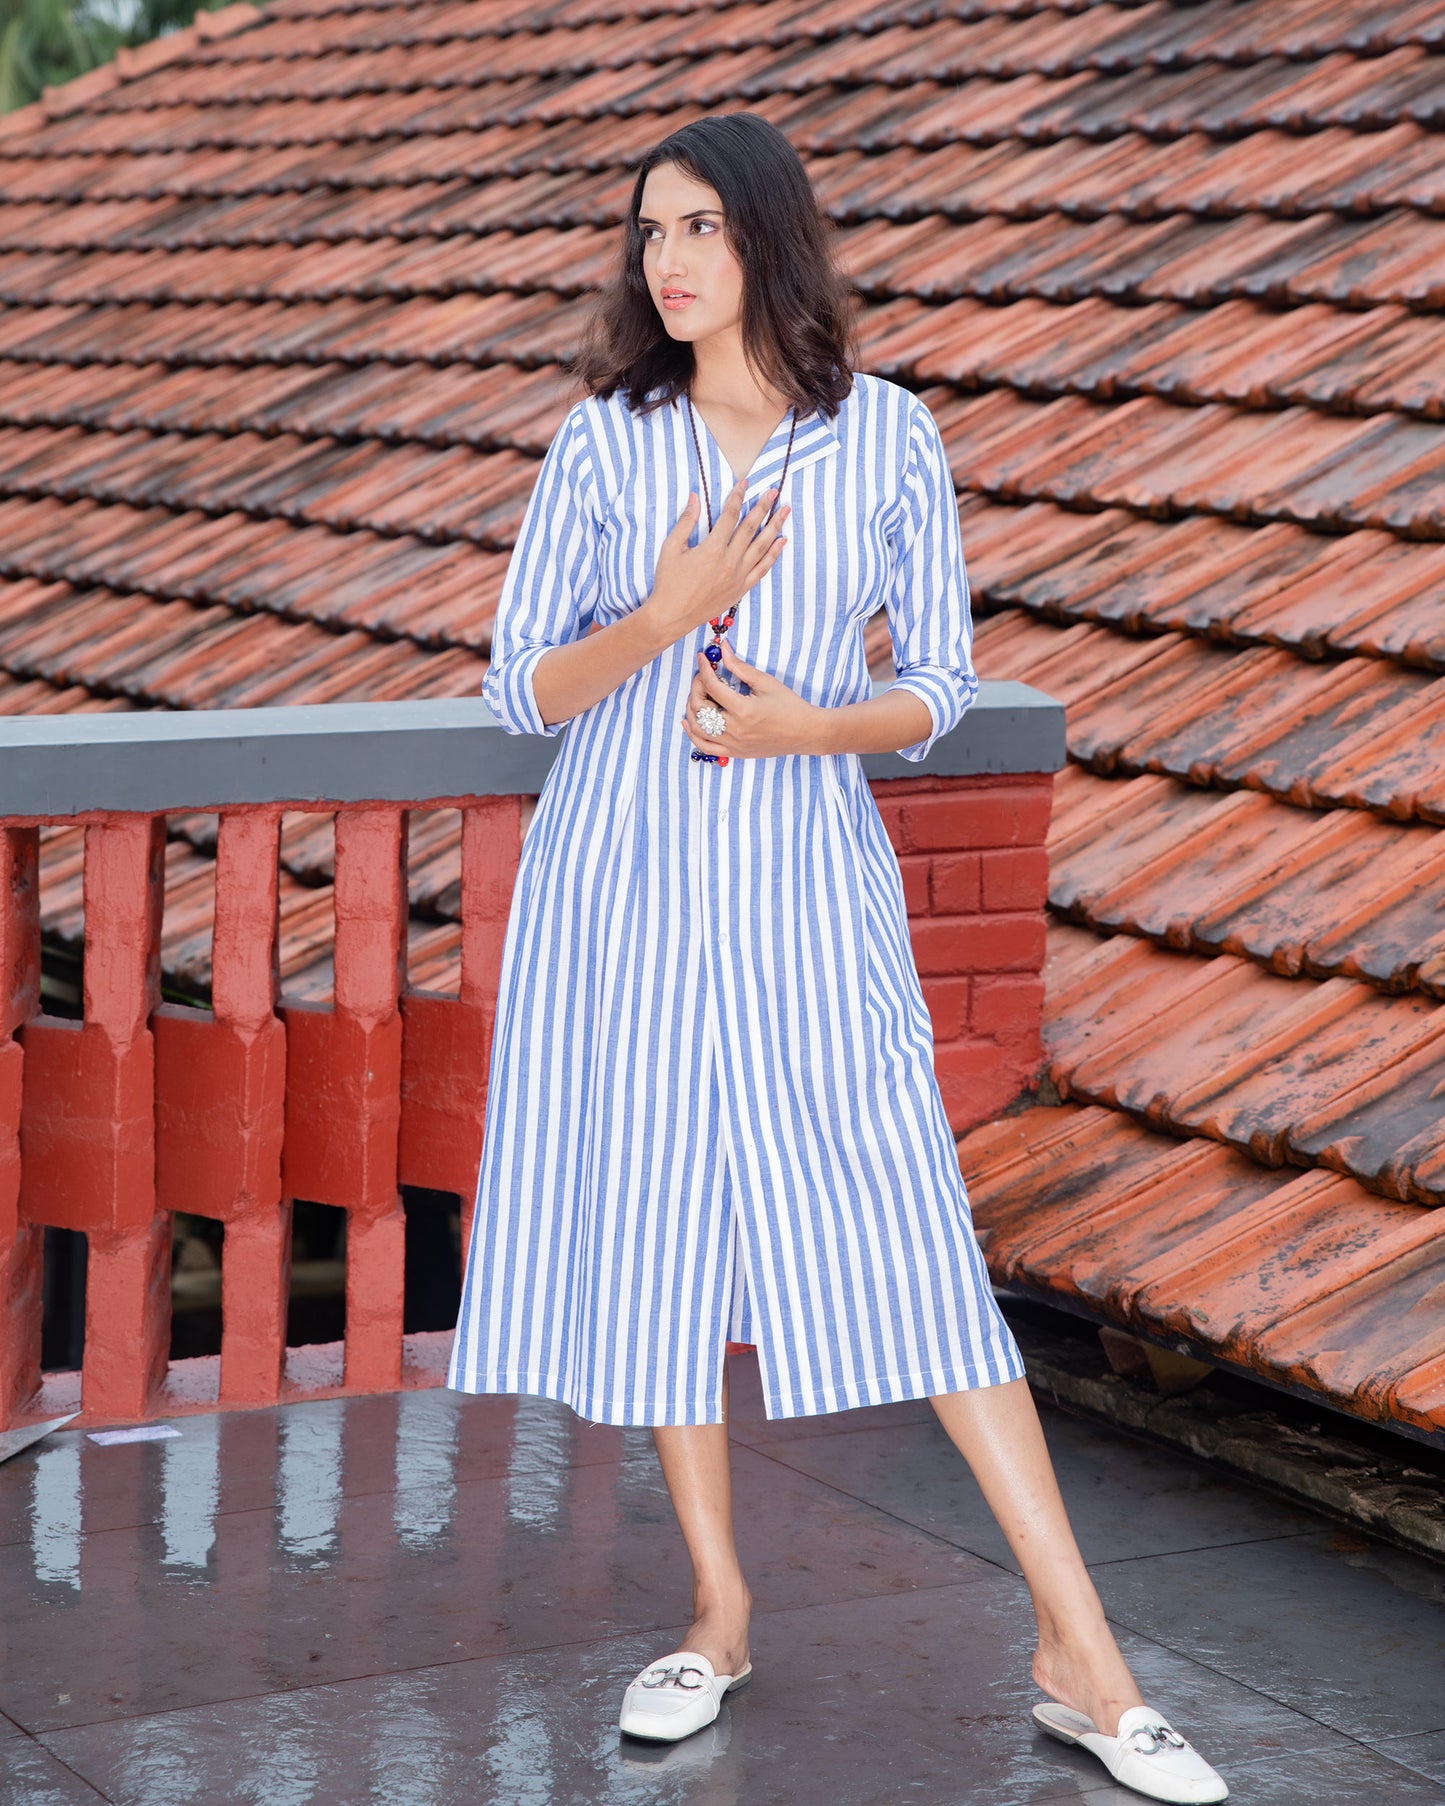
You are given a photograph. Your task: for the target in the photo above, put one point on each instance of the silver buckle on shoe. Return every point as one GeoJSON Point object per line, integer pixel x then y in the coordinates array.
{"type": "Point", "coordinates": [1160, 1736]}
{"type": "Point", "coordinates": [673, 1676]}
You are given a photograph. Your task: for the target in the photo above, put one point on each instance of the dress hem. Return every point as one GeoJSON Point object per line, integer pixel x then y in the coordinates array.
{"type": "Point", "coordinates": [893, 1389]}
{"type": "Point", "coordinates": [882, 1389]}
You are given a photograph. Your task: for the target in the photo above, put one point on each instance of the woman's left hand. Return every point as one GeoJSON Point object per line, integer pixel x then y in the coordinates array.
{"type": "Point", "coordinates": [772, 720]}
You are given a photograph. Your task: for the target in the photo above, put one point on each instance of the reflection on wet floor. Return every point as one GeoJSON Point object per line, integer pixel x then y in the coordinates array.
{"type": "Point", "coordinates": [425, 1599]}
{"type": "Point", "coordinates": [55, 1512]}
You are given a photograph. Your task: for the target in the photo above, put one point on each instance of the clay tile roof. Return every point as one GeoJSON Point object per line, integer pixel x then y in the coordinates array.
{"type": "Point", "coordinates": [286, 301]}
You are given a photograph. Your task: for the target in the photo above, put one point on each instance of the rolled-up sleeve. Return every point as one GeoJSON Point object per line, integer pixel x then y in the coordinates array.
{"type": "Point", "coordinates": [929, 619]}
{"type": "Point", "coordinates": [552, 581]}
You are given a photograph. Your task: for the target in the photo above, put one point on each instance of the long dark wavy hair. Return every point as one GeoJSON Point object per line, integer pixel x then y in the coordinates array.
{"type": "Point", "coordinates": [797, 315]}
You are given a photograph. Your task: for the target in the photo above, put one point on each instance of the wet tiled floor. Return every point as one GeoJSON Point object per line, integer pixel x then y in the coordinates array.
{"type": "Point", "coordinates": [428, 1599]}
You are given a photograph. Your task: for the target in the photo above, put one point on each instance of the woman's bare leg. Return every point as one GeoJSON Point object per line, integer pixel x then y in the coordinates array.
{"type": "Point", "coordinates": [696, 1466]}
{"type": "Point", "coordinates": [997, 1431]}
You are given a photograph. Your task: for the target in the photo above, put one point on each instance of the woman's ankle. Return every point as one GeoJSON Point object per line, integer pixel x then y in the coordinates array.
{"type": "Point", "coordinates": [719, 1630]}
{"type": "Point", "coordinates": [1087, 1671]}
{"type": "Point", "coordinates": [728, 1601]}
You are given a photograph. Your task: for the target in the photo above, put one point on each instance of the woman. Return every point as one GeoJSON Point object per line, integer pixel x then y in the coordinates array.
{"type": "Point", "coordinates": [712, 1113]}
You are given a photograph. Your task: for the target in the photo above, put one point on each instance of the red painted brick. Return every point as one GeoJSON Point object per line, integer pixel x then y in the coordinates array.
{"type": "Point", "coordinates": [914, 868]}
{"type": "Point", "coordinates": [948, 1006]}
{"type": "Point", "coordinates": [1008, 1006]}
{"type": "Point", "coordinates": [956, 887]}
{"type": "Point", "coordinates": [965, 819]}
{"type": "Point", "coordinates": [976, 1081]}
{"type": "Point", "coordinates": [1014, 878]}
{"type": "Point", "coordinates": [1012, 943]}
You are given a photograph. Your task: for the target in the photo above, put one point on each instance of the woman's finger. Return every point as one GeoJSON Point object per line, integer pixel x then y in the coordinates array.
{"type": "Point", "coordinates": [731, 509]}
{"type": "Point", "coordinates": [765, 548]}
{"type": "Point", "coordinates": [703, 742]}
{"type": "Point", "coordinates": [682, 527]}
{"type": "Point", "coordinates": [715, 688]}
{"type": "Point", "coordinates": [750, 674]}
{"type": "Point", "coordinates": [751, 523]}
{"type": "Point", "coordinates": [745, 530]}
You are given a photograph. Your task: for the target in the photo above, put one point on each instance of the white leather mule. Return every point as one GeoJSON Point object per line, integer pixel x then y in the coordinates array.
{"type": "Point", "coordinates": [1148, 1754]}
{"type": "Point", "coordinates": [676, 1696]}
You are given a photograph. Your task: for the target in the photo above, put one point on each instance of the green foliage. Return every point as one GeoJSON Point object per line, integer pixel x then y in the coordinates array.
{"type": "Point", "coordinates": [46, 42]}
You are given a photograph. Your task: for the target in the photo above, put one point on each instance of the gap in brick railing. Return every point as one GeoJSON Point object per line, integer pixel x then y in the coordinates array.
{"type": "Point", "coordinates": [62, 1323]}
{"type": "Point", "coordinates": [434, 900]}
{"type": "Point", "coordinates": [308, 905]}
{"type": "Point", "coordinates": [433, 1284]}
{"type": "Point", "coordinates": [317, 1308]}
{"type": "Point", "coordinates": [62, 919]}
{"type": "Point", "coordinates": [189, 914]}
{"type": "Point", "coordinates": [197, 1254]}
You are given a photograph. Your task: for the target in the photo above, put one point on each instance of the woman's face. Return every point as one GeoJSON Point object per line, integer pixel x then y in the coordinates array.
{"type": "Point", "coordinates": [695, 281]}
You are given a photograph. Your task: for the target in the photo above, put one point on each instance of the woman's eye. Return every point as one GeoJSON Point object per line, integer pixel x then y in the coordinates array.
{"type": "Point", "coordinates": [709, 226]}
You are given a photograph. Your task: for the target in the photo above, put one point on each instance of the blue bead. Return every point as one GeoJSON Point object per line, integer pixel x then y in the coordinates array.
{"type": "Point", "coordinates": [713, 654]}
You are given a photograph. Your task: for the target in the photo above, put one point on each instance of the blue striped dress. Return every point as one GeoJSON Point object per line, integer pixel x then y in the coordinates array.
{"type": "Point", "coordinates": [712, 1113]}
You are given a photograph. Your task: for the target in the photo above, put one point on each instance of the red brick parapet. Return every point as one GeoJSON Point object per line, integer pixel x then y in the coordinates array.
{"type": "Point", "coordinates": [110, 1124]}
{"type": "Point", "coordinates": [975, 878]}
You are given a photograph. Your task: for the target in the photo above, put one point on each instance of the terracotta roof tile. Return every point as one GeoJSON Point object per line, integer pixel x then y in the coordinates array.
{"type": "Point", "coordinates": [1157, 870]}
{"type": "Point", "coordinates": [1086, 1183]}
{"type": "Point", "coordinates": [1296, 718]}
{"type": "Point", "coordinates": [1387, 1127]}
{"type": "Point", "coordinates": [1309, 1235]}
{"type": "Point", "coordinates": [1073, 665]}
{"type": "Point", "coordinates": [1368, 1338]}
{"type": "Point", "coordinates": [1164, 1245]}
{"type": "Point", "coordinates": [1107, 720]}
{"type": "Point", "coordinates": [1101, 991]}
{"type": "Point", "coordinates": [1242, 353]}
{"type": "Point", "coordinates": [1398, 769]}
{"type": "Point", "coordinates": [1387, 259]}
{"type": "Point", "coordinates": [1330, 906]}
{"type": "Point", "coordinates": [1242, 1057]}
{"type": "Point", "coordinates": [1306, 1058]}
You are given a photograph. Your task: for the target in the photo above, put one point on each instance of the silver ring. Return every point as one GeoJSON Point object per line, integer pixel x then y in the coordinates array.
{"type": "Point", "coordinates": [711, 719]}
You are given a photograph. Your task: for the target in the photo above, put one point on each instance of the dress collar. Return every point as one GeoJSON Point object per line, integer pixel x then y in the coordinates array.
{"type": "Point", "coordinates": [815, 437]}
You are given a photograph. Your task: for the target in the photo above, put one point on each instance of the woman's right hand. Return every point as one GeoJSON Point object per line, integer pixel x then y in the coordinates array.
{"type": "Point", "coordinates": [692, 584]}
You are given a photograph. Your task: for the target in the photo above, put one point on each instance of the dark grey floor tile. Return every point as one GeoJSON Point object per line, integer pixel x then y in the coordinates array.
{"type": "Point", "coordinates": [1347, 1631]}
{"type": "Point", "coordinates": [920, 1698]}
{"type": "Point", "coordinates": [1125, 1498]}
{"type": "Point", "coordinates": [32, 1776]}
{"type": "Point", "coordinates": [1424, 1751]}
{"type": "Point", "coordinates": [148, 1619]}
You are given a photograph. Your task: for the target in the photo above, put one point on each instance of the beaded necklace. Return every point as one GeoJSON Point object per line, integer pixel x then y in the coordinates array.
{"type": "Point", "coordinates": [721, 623]}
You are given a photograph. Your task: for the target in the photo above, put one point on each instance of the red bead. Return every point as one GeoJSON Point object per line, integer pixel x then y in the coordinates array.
{"type": "Point", "coordinates": [722, 758]}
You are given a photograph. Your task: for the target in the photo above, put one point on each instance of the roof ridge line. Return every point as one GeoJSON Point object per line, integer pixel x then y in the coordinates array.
{"type": "Point", "coordinates": [129, 63]}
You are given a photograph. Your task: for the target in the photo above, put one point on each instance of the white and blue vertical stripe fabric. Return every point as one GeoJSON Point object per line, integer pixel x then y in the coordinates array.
{"type": "Point", "coordinates": [712, 1113]}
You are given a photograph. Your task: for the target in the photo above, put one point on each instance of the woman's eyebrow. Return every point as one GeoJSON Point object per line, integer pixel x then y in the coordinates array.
{"type": "Point", "coordinates": [643, 220]}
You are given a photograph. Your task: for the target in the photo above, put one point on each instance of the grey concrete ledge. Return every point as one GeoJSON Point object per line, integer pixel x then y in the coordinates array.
{"type": "Point", "coordinates": [162, 760]}
{"type": "Point", "coordinates": [1332, 1465]}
